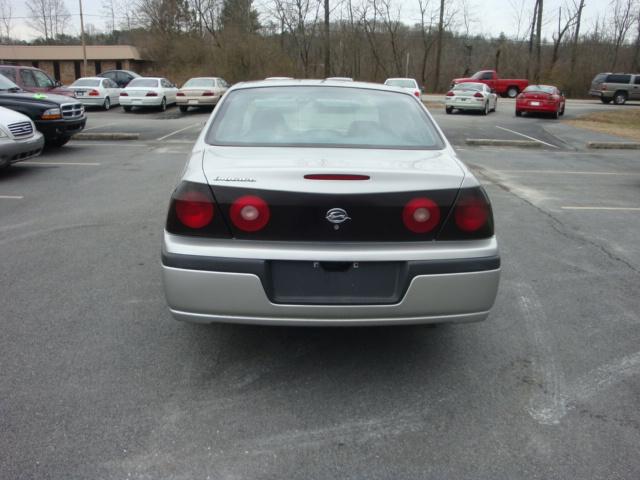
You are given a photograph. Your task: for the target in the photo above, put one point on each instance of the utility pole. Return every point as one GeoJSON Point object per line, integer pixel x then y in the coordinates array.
{"type": "Point", "coordinates": [327, 41]}
{"type": "Point", "coordinates": [84, 45]}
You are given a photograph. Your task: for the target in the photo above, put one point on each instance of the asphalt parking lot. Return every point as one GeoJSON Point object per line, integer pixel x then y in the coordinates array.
{"type": "Point", "coordinates": [99, 382]}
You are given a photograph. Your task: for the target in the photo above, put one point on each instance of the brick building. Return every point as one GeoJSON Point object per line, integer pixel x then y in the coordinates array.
{"type": "Point", "coordinates": [65, 62]}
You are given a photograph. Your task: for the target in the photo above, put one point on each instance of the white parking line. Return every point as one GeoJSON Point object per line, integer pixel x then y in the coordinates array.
{"type": "Point", "coordinates": [11, 197]}
{"type": "Point", "coordinates": [178, 131]}
{"type": "Point", "coordinates": [527, 136]}
{"type": "Point", "coordinates": [566, 172]}
{"type": "Point", "coordinates": [79, 143]}
{"type": "Point", "coordinates": [621, 209]}
{"type": "Point", "coordinates": [75, 164]}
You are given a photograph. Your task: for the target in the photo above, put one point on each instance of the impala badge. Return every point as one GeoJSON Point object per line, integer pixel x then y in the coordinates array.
{"type": "Point", "coordinates": [337, 216]}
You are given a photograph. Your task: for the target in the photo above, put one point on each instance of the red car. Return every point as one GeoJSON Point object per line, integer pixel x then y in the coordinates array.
{"type": "Point", "coordinates": [34, 80]}
{"type": "Point", "coordinates": [509, 87]}
{"type": "Point", "coordinates": [540, 99]}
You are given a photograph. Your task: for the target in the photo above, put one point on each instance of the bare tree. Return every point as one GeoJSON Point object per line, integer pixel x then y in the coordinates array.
{"type": "Point", "coordinates": [569, 20]}
{"type": "Point", "coordinates": [109, 9]}
{"type": "Point", "coordinates": [623, 17]}
{"type": "Point", "coordinates": [426, 34]}
{"type": "Point", "coordinates": [48, 17]}
{"type": "Point", "coordinates": [536, 75]}
{"type": "Point", "coordinates": [6, 11]}
{"type": "Point", "coordinates": [576, 33]}
{"type": "Point", "coordinates": [208, 17]}
{"type": "Point", "coordinates": [436, 79]}
{"type": "Point", "coordinates": [636, 47]}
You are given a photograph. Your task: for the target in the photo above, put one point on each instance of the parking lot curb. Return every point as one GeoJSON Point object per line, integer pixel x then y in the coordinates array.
{"type": "Point", "coordinates": [106, 136]}
{"type": "Point", "coordinates": [614, 145]}
{"type": "Point", "coordinates": [492, 142]}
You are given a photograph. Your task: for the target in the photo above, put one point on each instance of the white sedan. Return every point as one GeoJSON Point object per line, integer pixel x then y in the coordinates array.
{"type": "Point", "coordinates": [471, 96]}
{"type": "Point", "coordinates": [406, 83]}
{"type": "Point", "coordinates": [19, 139]}
{"type": "Point", "coordinates": [148, 92]}
{"type": "Point", "coordinates": [96, 92]}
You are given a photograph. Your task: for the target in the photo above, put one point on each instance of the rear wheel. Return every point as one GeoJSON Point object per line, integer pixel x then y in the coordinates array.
{"type": "Point", "coordinates": [556, 114]}
{"type": "Point", "coordinates": [107, 104]}
{"type": "Point", "coordinates": [485, 111]}
{"type": "Point", "coordinates": [512, 92]}
{"type": "Point", "coordinates": [620, 98]}
{"type": "Point", "coordinates": [184, 108]}
{"type": "Point", "coordinates": [163, 104]}
{"type": "Point", "coordinates": [605, 100]}
{"type": "Point", "coordinates": [449, 110]}
{"type": "Point", "coordinates": [518, 113]}
{"type": "Point", "coordinates": [495, 107]}
{"type": "Point", "coordinates": [562, 111]}
{"type": "Point", "coordinates": [126, 109]}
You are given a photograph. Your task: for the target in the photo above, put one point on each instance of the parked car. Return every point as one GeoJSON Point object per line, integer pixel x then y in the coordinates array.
{"type": "Point", "coordinates": [350, 208]}
{"type": "Point", "coordinates": [96, 92]}
{"type": "Point", "coordinates": [57, 117]}
{"type": "Point", "coordinates": [340, 79]}
{"type": "Point", "coordinates": [19, 139]}
{"type": "Point", "coordinates": [616, 87]}
{"type": "Point", "coordinates": [33, 79]}
{"type": "Point", "coordinates": [509, 87]}
{"type": "Point", "coordinates": [201, 92]}
{"type": "Point", "coordinates": [119, 77]}
{"type": "Point", "coordinates": [147, 92]}
{"type": "Point", "coordinates": [471, 96]}
{"type": "Point", "coordinates": [541, 99]}
{"type": "Point", "coordinates": [279, 78]}
{"type": "Point", "coordinates": [407, 83]}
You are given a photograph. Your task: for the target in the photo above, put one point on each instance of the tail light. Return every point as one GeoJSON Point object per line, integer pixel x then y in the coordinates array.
{"type": "Point", "coordinates": [421, 215]}
{"type": "Point", "coordinates": [151, 94]}
{"type": "Point", "coordinates": [335, 176]}
{"type": "Point", "coordinates": [249, 213]}
{"type": "Point", "coordinates": [450, 93]}
{"type": "Point", "coordinates": [478, 95]}
{"type": "Point", "coordinates": [94, 93]}
{"type": "Point", "coordinates": [207, 94]}
{"type": "Point", "coordinates": [471, 217]}
{"type": "Point", "coordinates": [179, 94]}
{"type": "Point", "coordinates": [417, 93]}
{"type": "Point", "coordinates": [603, 87]}
{"type": "Point", "coordinates": [124, 94]}
{"type": "Point", "coordinates": [193, 211]}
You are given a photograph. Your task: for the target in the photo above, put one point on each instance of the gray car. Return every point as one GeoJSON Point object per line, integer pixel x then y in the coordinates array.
{"type": "Point", "coordinates": [616, 87]}
{"type": "Point", "coordinates": [327, 203]}
{"type": "Point", "coordinates": [19, 139]}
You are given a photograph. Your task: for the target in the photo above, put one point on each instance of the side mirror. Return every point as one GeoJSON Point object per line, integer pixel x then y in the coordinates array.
{"type": "Point", "coordinates": [57, 83]}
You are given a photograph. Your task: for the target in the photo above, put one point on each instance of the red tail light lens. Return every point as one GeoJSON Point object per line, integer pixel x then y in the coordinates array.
{"type": "Point", "coordinates": [207, 94]}
{"type": "Point", "coordinates": [471, 217]}
{"type": "Point", "coordinates": [471, 213]}
{"type": "Point", "coordinates": [179, 94]}
{"type": "Point", "coordinates": [249, 213]}
{"type": "Point", "coordinates": [421, 215]}
{"type": "Point", "coordinates": [94, 93]}
{"type": "Point", "coordinates": [124, 94]}
{"type": "Point", "coordinates": [151, 94]}
{"type": "Point", "coordinates": [417, 93]}
{"type": "Point", "coordinates": [194, 209]}
{"type": "Point", "coordinates": [450, 93]}
{"type": "Point", "coordinates": [478, 95]}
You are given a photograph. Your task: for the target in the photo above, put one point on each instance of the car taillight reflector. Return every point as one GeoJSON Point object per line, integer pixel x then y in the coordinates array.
{"type": "Point", "coordinates": [478, 95]}
{"type": "Point", "coordinates": [335, 176]}
{"type": "Point", "coordinates": [417, 93]}
{"type": "Point", "coordinates": [151, 94]}
{"type": "Point", "coordinates": [421, 215]}
{"type": "Point", "coordinates": [471, 213]}
{"type": "Point", "coordinates": [450, 93]}
{"type": "Point", "coordinates": [124, 94]}
{"type": "Point", "coordinates": [249, 213]}
{"type": "Point", "coordinates": [94, 93]}
{"type": "Point", "coordinates": [194, 209]}
{"type": "Point", "coordinates": [603, 87]}
{"type": "Point", "coordinates": [207, 94]}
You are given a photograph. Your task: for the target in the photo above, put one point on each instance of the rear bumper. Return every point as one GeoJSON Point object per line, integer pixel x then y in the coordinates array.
{"type": "Point", "coordinates": [197, 101]}
{"type": "Point", "coordinates": [92, 101]}
{"type": "Point", "coordinates": [141, 101]}
{"type": "Point", "coordinates": [601, 93]}
{"type": "Point", "coordinates": [471, 104]}
{"type": "Point", "coordinates": [217, 288]}
{"type": "Point", "coordinates": [12, 151]}
{"type": "Point", "coordinates": [536, 108]}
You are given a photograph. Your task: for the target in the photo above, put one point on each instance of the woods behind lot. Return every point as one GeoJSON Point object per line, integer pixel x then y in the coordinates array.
{"type": "Point", "coordinates": [372, 39]}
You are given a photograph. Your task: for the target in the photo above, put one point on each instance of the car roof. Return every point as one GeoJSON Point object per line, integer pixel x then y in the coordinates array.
{"type": "Point", "coordinates": [90, 78]}
{"type": "Point", "coordinates": [401, 78]}
{"type": "Point", "coordinates": [317, 83]}
{"type": "Point", "coordinates": [206, 78]}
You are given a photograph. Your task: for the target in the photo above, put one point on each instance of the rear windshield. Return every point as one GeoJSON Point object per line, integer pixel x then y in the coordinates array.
{"type": "Point", "coordinates": [469, 86]}
{"type": "Point", "coordinates": [86, 83]}
{"type": "Point", "coordinates": [618, 78]}
{"type": "Point", "coordinates": [200, 82]}
{"type": "Point", "coordinates": [600, 78]}
{"type": "Point", "coordinates": [143, 82]}
{"type": "Point", "coordinates": [401, 83]}
{"type": "Point", "coordinates": [540, 88]}
{"type": "Point", "coordinates": [323, 117]}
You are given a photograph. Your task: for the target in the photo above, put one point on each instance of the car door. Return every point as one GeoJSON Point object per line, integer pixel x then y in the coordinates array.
{"type": "Point", "coordinates": [635, 88]}
{"type": "Point", "coordinates": [487, 78]}
{"type": "Point", "coordinates": [28, 81]}
{"type": "Point", "coordinates": [44, 83]}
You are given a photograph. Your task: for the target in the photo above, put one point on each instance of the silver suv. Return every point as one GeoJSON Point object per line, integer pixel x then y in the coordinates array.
{"type": "Point", "coordinates": [618, 87]}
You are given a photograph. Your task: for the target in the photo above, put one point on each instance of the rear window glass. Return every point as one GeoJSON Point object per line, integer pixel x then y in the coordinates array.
{"type": "Point", "coordinates": [600, 78]}
{"type": "Point", "coordinates": [86, 83]}
{"type": "Point", "coordinates": [469, 86]}
{"type": "Point", "coordinates": [323, 117]}
{"type": "Point", "coordinates": [540, 88]}
{"type": "Point", "coordinates": [143, 82]}
{"type": "Point", "coordinates": [401, 83]}
{"type": "Point", "coordinates": [200, 82]}
{"type": "Point", "coordinates": [619, 78]}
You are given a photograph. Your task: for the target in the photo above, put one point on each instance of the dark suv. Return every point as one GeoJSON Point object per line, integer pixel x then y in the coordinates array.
{"type": "Point", "coordinates": [33, 79]}
{"type": "Point", "coordinates": [121, 77]}
{"type": "Point", "coordinates": [616, 87]}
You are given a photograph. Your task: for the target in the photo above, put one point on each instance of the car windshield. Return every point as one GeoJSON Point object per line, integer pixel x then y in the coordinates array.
{"type": "Point", "coordinates": [469, 86]}
{"type": "Point", "coordinates": [402, 83]}
{"type": "Point", "coordinates": [6, 84]}
{"type": "Point", "coordinates": [143, 82]}
{"type": "Point", "coordinates": [200, 82]}
{"type": "Point", "coordinates": [323, 117]}
{"type": "Point", "coordinates": [86, 82]}
{"type": "Point", "coordinates": [540, 88]}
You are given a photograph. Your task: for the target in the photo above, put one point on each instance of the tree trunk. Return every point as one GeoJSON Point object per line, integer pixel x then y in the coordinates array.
{"type": "Point", "coordinates": [576, 37]}
{"type": "Point", "coordinates": [436, 81]}
{"type": "Point", "coordinates": [327, 42]}
{"type": "Point", "coordinates": [536, 76]}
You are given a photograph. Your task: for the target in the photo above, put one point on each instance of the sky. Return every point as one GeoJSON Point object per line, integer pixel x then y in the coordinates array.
{"type": "Point", "coordinates": [490, 17]}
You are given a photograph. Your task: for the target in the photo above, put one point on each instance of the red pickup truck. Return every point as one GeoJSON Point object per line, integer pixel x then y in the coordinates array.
{"type": "Point", "coordinates": [509, 87]}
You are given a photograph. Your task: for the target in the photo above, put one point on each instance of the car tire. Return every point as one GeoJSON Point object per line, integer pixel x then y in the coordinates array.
{"type": "Point", "coordinates": [562, 111]}
{"type": "Point", "coordinates": [619, 98]}
{"type": "Point", "coordinates": [512, 92]}
{"type": "Point", "coordinates": [485, 111]}
{"type": "Point", "coordinates": [518, 113]}
{"type": "Point", "coordinates": [59, 141]}
{"type": "Point", "coordinates": [556, 115]}
{"type": "Point", "coordinates": [107, 104]}
{"type": "Point", "coordinates": [449, 110]}
{"type": "Point", "coordinates": [183, 108]}
{"type": "Point", "coordinates": [126, 109]}
{"type": "Point", "coordinates": [495, 107]}
{"type": "Point", "coordinates": [163, 105]}
{"type": "Point", "coordinates": [605, 100]}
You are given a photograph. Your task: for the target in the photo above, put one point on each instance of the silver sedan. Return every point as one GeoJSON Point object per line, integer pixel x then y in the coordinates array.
{"type": "Point", "coordinates": [327, 203]}
{"type": "Point", "coordinates": [471, 96]}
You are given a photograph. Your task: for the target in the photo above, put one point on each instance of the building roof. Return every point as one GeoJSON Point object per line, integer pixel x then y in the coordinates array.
{"type": "Point", "coordinates": [68, 52]}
